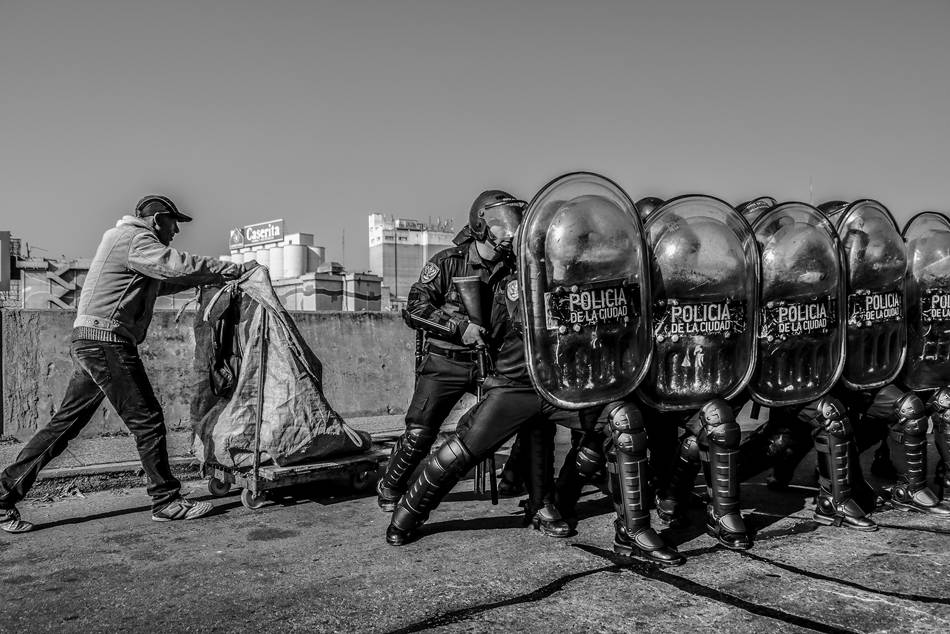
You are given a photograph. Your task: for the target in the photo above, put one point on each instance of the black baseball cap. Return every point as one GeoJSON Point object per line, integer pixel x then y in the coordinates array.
{"type": "Point", "coordinates": [155, 204]}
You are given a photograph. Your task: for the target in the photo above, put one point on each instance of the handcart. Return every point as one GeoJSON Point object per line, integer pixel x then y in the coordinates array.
{"type": "Point", "coordinates": [258, 480]}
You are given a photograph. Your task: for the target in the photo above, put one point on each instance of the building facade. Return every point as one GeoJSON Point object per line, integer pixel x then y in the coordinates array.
{"type": "Point", "coordinates": [302, 278]}
{"type": "Point", "coordinates": [400, 247]}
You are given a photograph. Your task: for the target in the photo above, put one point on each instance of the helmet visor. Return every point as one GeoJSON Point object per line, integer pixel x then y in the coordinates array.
{"type": "Point", "coordinates": [502, 220]}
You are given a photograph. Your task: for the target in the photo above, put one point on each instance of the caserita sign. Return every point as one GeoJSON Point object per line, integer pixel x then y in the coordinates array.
{"type": "Point", "coordinates": [260, 233]}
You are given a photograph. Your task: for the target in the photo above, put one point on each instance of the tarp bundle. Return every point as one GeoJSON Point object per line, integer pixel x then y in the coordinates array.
{"type": "Point", "coordinates": [298, 425]}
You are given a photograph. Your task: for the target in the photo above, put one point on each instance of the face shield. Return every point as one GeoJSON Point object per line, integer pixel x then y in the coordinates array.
{"type": "Point", "coordinates": [502, 219]}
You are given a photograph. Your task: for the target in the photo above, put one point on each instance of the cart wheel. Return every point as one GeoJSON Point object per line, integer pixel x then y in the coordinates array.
{"type": "Point", "coordinates": [251, 501]}
{"type": "Point", "coordinates": [363, 480]}
{"type": "Point", "coordinates": [218, 488]}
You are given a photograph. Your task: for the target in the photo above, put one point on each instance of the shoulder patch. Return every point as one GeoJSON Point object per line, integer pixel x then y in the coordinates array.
{"type": "Point", "coordinates": [511, 292]}
{"type": "Point", "coordinates": [429, 272]}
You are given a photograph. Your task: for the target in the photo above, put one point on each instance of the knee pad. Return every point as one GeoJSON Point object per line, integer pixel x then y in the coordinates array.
{"type": "Point", "coordinates": [453, 457]}
{"type": "Point", "coordinates": [689, 448]}
{"type": "Point", "coordinates": [719, 422]}
{"type": "Point", "coordinates": [626, 425]}
{"type": "Point", "coordinates": [832, 417]}
{"type": "Point", "coordinates": [910, 415]}
{"type": "Point", "coordinates": [939, 404]}
{"type": "Point", "coordinates": [590, 462]}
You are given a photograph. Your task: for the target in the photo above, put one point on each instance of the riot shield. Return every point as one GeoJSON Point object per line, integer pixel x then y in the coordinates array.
{"type": "Point", "coordinates": [584, 292]}
{"type": "Point", "coordinates": [800, 341]}
{"type": "Point", "coordinates": [705, 303]}
{"type": "Point", "coordinates": [927, 238]}
{"type": "Point", "coordinates": [875, 264]}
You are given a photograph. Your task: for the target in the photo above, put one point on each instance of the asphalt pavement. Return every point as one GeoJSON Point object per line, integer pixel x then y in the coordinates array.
{"type": "Point", "coordinates": [315, 559]}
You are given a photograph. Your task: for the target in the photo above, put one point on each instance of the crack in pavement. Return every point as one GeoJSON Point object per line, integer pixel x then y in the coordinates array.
{"type": "Point", "coordinates": [651, 571]}
{"type": "Point", "coordinates": [920, 598]}
{"type": "Point", "coordinates": [466, 613]}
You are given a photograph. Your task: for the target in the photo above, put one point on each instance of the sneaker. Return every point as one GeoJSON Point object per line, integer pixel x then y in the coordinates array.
{"type": "Point", "coordinates": [182, 509]}
{"type": "Point", "coordinates": [10, 521]}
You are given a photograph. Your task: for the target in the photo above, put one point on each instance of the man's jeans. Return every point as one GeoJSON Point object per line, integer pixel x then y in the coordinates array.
{"type": "Point", "coordinates": [114, 371]}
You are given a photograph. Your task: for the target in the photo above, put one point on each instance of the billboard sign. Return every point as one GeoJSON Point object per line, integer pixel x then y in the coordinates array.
{"type": "Point", "coordinates": [260, 233]}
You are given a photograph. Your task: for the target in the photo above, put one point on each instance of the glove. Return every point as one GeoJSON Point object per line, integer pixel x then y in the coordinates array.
{"type": "Point", "coordinates": [473, 335]}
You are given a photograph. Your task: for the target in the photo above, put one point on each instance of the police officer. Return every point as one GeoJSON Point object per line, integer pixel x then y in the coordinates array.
{"type": "Point", "coordinates": [801, 346]}
{"type": "Point", "coordinates": [448, 367]}
{"type": "Point", "coordinates": [882, 403]}
{"type": "Point", "coordinates": [509, 405]}
{"type": "Point", "coordinates": [705, 286]}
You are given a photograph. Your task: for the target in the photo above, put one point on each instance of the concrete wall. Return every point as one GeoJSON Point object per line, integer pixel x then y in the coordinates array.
{"type": "Point", "coordinates": [367, 365]}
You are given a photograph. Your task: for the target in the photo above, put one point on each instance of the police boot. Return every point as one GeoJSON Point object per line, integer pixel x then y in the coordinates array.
{"type": "Point", "coordinates": [411, 448]}
{"type": "Point", "coordinates": [547, 520]}
{"type": "Point", "coordinates": [835, 505]}
{"type": "Point", "coordinates": [672, 498]}
{"type": "Point", "coordinates": [538, 462]}
{"type": "Point", "coordinates": [908, 440]}
{"type": "Point", "coordinates": [627, 466]}
{"type": "Point", "coordinates": [441, 472]}
{"type": "Point", "coordinates": [645, 544]}
{"type": "Point", "coordinates": [940, 405]}
{"type": "Point", "coordinates": [719, 452]}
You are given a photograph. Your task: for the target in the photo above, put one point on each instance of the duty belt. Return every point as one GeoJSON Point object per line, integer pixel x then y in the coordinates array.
{"type": "Point", "coordinates": [456, 355]}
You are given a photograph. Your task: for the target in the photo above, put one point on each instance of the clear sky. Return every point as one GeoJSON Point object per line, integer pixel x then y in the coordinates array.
{"type": "Point", "coordinates": [322, 112]}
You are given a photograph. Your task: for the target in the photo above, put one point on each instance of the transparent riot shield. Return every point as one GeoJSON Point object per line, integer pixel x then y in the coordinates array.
{"type": "Point", "coordinates": [927, 238]}
{"type": "Point", "coordinates": [584, 290]}
{"type": "Point", "coordinates": [875, 265]}
{"type": "Point", "coordinates": [800, 341]}
{"type": "Point", "coordinates": [705, 303]}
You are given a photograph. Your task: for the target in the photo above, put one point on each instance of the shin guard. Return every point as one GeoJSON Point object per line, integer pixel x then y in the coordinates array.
{"type": "Point", "coordinates": [908, 442]}
{"type": "Point", "coordinates": [628, 465]}
{"type": "Point", "coordinates": [411, 448]}
{"type": "Point", "coordinates": [719, 451]}
{"type": "Point", "coordinates": [833, 441]}
{"type": "Point", "coordinates": [627, 468]}
{"type": "Point", "coordinates": [441, 472]}
{"type": "Point", "coordinates": [939, 404]}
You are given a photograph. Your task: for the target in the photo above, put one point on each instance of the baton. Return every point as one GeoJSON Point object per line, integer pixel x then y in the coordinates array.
{"type": "Point", "coordinates": [489, 462]}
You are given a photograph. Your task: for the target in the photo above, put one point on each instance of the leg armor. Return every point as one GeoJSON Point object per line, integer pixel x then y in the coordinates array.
{"type": "Point", "coordinates": [411, 448]}
{"type": "Point", "coordinates": [833, 441]}
{"type": "Point", "coordinates": [908, 440]}
{"type": "Point", "coordinates": [939, 404]}
{"type": "Point", "coordinates": [585, 463]}
{"type": "Point", "coordinates": [537, 461]}
{"type": "Point", "coordinates": [627, 463]}
{"type": "Point", "coordinates": [719, 451]}
{"type": "Point", "coordinates": [671, 498]}
{"type": "Point", "coordinates": [441, 472]}
{"type": "Point", "coordinates": [570, 482]}
{"type": "Point", "coordinates": [510, 484]}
